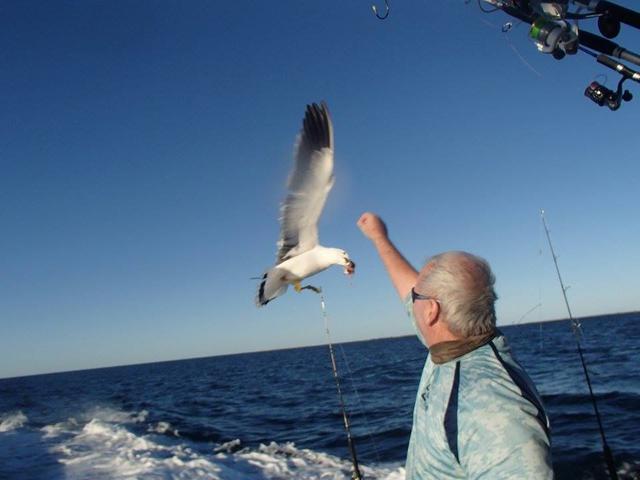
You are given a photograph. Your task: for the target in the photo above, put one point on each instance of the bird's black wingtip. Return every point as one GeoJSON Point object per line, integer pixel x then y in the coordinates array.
{"type": "Point", "coordinates": [260, 300]}
{"type": "Point", "coordinates": [317, 126]}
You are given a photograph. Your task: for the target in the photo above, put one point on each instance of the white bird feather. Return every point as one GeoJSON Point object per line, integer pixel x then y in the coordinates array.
{"type": "Point", "coordinates": [299, 253]}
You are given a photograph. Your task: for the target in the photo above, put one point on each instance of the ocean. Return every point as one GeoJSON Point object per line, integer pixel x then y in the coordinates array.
{"type": "Point", "coordinates": [275, 415]}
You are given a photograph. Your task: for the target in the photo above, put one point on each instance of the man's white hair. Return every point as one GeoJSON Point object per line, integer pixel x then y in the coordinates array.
{"type": "Point", "coordinates": [463, 285]}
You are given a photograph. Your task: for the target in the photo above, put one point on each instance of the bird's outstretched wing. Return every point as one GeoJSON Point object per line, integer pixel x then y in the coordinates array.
{"type": "Point", "coordinates": [309, 184]}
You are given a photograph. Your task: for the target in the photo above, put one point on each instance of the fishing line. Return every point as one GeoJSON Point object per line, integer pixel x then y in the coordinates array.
{"type": "Point", "coordinates": [356, 474]}
{"type": "Point", "coordinates": [540, 277]}
{"type": "Point", "coordinates": [608, 455]}
{"type": "Point", "coordinates": [535, 307]}
{"type": "Point", "coordinates": [487, 10]}
{"type": "Point", "coordinates": [367, 423]}
{"type": "Point", "coordinates": [362, 409]}
{"type": "Point", "coordinates": [506, 31]}
{"type": "Point", "coordinates": [506, 28]}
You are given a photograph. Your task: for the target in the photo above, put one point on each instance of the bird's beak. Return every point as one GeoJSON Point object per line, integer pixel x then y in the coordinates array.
{"type": "Point", "coordinates": [350, 268]}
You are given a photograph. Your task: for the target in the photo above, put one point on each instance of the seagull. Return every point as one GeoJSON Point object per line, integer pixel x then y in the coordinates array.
{"type": "Point", "coordinates": [300, 255]}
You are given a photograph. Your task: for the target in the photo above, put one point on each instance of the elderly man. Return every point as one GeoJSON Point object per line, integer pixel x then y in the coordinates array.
{"type": "Point", "coordinates": [477, 414]}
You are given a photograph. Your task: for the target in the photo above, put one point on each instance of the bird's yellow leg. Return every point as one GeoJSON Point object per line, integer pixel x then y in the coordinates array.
{"type": "Point", "coordinates": [298, 286]}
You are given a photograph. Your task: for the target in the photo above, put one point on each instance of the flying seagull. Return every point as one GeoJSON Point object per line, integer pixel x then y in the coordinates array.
{"type": "Point", "coordinates": [299, 253]}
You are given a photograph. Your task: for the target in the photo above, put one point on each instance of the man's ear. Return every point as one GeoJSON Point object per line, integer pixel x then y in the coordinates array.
{"type": "Point", "coordinates": [434, 313]}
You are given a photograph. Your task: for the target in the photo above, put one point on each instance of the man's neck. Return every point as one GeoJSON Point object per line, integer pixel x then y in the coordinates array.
{"type": "Point", "coordinates": [443, 335]}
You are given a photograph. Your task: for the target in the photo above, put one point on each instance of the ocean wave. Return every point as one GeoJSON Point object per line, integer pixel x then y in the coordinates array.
{"type": "Point", "coordinates": [57, 429]}
{"type": "Point", "coordinates": [163, 428]}
{"type": "Point", "coordinates": [105, 448]}
{"type": "Point", "coordinates": [12, 421]}
{"type": "Point", "coordinates": [630, 470]}
{"type": "Point", "coordinates": [229, 447]}
{"type": "Point", "coordinates": [112, 415]}
{"type": "Point", "coordinates": [125, 445]}
{"type": "Point", "coordinates": [285, 461]}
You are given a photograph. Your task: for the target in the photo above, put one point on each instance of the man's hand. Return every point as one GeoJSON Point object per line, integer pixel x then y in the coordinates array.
{"type": "Point", "coordinates": [372, 226]}
{"type": "Point", "coordinates": [402, 274]}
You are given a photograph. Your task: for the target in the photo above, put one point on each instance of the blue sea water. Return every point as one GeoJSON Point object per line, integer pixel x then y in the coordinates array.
{"type": "Point", "coordinates": [273, 415]}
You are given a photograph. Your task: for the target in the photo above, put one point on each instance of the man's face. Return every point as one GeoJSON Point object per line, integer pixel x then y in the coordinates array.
{"type": "Point", "coordinates": [423, 313]}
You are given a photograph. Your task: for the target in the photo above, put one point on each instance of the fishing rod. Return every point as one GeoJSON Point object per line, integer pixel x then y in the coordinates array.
{"type": "Point", "coordinates": [575, 324]}
{"type": "Point", "coordinates": [355, 474]}
{"type": "Point", "coordinates": [553, 33]}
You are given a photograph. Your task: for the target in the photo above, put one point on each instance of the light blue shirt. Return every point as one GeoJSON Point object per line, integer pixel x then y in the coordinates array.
{"type": "Point", "coordinates": [479, 417]}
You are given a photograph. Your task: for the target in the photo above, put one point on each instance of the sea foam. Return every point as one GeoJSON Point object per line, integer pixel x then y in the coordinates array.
{"type": "Point", "coordinates": [12, 421]}
{"type": "Point", "coordinates": [105, 448]}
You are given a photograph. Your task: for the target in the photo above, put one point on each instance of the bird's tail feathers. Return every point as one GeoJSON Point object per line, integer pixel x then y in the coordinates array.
{"type": "Point", "coordinates": [272, 286]}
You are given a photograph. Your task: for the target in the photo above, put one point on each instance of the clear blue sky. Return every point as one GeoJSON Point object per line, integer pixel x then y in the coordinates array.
{"type": "Point", "coordinates": [145, 147]}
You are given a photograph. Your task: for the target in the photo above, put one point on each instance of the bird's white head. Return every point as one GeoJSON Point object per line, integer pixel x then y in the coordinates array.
{"type": "Point", "coordinates": [342, 258]}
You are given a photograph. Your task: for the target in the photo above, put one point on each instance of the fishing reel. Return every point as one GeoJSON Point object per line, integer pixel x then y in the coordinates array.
{"type": "Point", "coordinates": [552, 32]}
{"type": "Point", "coordinates": [602, 95]}
{"type": "Point", "coordinates": [556, 37]}
{"type": "Point", "coordinates": [608, 23]}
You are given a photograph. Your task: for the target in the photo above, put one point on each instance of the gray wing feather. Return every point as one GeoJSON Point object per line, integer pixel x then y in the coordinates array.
{"type": "Point", "coordinates": [309, 184]}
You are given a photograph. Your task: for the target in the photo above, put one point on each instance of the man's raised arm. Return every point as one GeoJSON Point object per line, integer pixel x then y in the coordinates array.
{"type": "Point", "coordinates": [402, 274]}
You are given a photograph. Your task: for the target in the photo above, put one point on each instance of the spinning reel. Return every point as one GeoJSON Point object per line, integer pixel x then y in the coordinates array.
{"type": "Point", "coordinates": [602, 95]}
{"type": "Point", "coordinates": [556, 37]}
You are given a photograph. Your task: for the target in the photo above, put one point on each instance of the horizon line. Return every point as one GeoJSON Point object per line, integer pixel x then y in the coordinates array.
{"type": "Point", "coordinates": [515, 324]}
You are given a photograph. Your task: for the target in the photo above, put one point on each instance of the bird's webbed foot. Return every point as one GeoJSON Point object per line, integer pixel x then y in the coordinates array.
{"type": "Point", "coordinates": [298, 287]}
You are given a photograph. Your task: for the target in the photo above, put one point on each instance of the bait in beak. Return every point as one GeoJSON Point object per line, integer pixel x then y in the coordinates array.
{"type": "Point", "coordinates": [350, 268]}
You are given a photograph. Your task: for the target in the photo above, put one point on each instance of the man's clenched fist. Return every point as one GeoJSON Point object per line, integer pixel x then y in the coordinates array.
{"type": "Point", "coordinates": [372, 226]}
